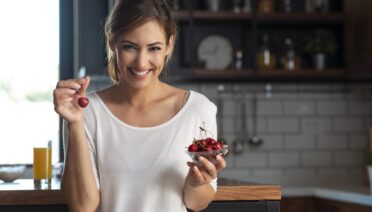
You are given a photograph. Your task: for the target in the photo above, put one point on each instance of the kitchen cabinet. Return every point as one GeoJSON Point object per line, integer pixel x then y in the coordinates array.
{"type": "Point", "coordinates": [232, 196]}
{"type": "Point", "coordinates": [33, 208]}
{"type": "Point", "coordinates": [358, 34]}
{"type": "Point", "coordinates": [244, 206]}
{"type": "Point", "coordinates": [323, 205]}
{"type": "Point", "coordinates": [244, 31]}
{"type": "Point", "coordinates": [312, 204]}
{"type": "Point", "coordinates": [303, 204]}
{"type": "Point", "coordinates": [349, 21]}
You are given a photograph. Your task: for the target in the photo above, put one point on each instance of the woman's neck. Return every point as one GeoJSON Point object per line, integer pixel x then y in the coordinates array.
{"type": "Point", "coordinates": [139, 97]}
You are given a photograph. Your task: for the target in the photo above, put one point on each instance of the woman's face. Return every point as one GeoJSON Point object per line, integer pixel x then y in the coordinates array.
{"type": "Point", "coordinates": [141, 54]}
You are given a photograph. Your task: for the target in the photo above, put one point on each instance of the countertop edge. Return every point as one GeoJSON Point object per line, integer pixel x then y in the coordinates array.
{"type": "Point", "coordinates": [231, 191]}
{"type": "Point", "coordinates": [329, 193]}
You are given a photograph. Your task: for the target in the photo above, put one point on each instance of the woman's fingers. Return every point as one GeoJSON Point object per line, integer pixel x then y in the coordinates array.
{"type": "Point", "coordinates": [221, 163]}
{"type": "Point", "coordinates": [84, 82]}
{"type": "Point", "coordinates": [64, 91]}
{"type": "Point", "coordinates": [71, 83]}
{"type": "Point", "coordinates": [209, 167]}
{"type": "Point", "coordinates": [198, 175]}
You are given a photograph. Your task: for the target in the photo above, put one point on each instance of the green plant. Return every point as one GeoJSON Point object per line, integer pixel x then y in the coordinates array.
{"type": "Point", "coordinates": [40, 96]}
{"type": "Point", "coordinates": [322, 41]}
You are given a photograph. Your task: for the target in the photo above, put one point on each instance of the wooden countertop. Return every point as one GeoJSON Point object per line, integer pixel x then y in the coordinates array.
{"type": "Point", "coordinates": [23, 192]}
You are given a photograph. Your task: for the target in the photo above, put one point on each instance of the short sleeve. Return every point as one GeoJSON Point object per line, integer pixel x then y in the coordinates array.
{"type": "Point", "coordinates": [91, 148]}
{"type": "Point", "coordinates": [211, 124]}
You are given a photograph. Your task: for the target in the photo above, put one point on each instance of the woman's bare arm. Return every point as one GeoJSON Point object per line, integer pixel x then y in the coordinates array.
{"type": "Point", "coordinates": [78, 183]}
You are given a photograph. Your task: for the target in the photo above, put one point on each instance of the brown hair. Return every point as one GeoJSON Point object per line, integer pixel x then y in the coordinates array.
{"type": "Point", "coordinates": [128, 14]}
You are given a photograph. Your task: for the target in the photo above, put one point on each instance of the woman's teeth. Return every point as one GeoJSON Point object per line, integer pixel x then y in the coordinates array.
{"type": "Point", "coordinates": [142, 73]}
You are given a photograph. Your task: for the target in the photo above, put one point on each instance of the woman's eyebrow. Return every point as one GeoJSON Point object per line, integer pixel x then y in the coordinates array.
{"type": "Point", "coordinates": [151, 44]}
{"type": "Point", "coordinates": [156, 43]}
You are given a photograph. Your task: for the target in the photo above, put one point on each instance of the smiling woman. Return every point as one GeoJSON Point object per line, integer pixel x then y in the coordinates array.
{"type": "Point", "coordinates": [28, 71]}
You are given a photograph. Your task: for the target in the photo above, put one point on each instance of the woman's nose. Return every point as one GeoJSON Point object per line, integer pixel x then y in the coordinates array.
{"type": "Point", "coordinates": [142, 61]}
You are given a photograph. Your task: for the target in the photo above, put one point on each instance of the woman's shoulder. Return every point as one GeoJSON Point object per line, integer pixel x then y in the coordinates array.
{"type": "Point", "coordinates": [201, 102]}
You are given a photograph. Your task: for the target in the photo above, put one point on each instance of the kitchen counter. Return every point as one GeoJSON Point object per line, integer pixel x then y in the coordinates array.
{"type": "Point", "coordinates": [23, 192]}
{"type": "Point", "coordinates": [356, 194]}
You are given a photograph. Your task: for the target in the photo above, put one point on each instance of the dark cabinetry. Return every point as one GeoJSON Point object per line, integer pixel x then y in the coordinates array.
{"type": "Point", "coordinates": [236, 206]}
{"type": "Point", "coordinates": [349, 21]}
{"type": "Point", "coordinates": [244, 206]}
{"type": "Point", "coordinates": [33, 208]}
{"type": "Point", "coordinates": [358, 33]}
{"type": "Point", "coordinates": [245, 32]}
{"type": "Point", "coordinates": [310, 204]}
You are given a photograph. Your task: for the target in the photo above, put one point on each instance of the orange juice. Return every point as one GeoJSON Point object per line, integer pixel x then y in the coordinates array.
{"type": "Point", "coordinates": [42, 163]}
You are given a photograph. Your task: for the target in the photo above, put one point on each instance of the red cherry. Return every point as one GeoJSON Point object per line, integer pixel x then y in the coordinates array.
{"type": "Point", "coordinates": [208, 148]}
{"type": "Point", "coordinates": [211, 141]}
{"type": "Point", "coordinates": [204, 143]}
{"type": "Point", "coordinates": [200, 149]}
{"type": "Point", "coordinates": [193, 148]}
{"type": "Point", "coordinates": [83, 101]}
{"type": "Point", "coordinates": [218, 145]}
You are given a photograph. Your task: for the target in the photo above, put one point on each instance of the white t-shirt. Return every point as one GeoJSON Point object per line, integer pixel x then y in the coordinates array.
{"type": "Point", "coordinates": [140, 169]}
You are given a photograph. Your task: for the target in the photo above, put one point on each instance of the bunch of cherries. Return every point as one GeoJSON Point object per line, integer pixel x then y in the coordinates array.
{"type": "Point", "coordinates": [204, 144]}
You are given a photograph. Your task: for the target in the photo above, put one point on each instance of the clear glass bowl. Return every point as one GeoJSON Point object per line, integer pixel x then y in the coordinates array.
{"type": "Point", "coordinates": [210, 155]}
{"type": "Point", "coordinates": [10, 173]}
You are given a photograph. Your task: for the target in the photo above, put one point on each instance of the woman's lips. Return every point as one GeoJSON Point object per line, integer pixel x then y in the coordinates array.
{"type": "Point", "coordinates": [139, 74]}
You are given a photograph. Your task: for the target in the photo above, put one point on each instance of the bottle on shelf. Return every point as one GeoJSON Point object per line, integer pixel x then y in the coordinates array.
{"type": "Point", "coordinates": [288, 6]}
{"type": "Point", "coordinates": [238, 59]}
{"type": "Point", "coordinates": [266, 59]}
{"type": "Point", "coordinates": [266, 6]}
{"type": "Point", "coordinates": [309, 6]}
{"type": "Point", "coordinates": [247, 8]}
{"type": "Point", "coordinates": [289, 59]}
{"type": "Point", "coordinates": [322, 5]}
{"type": "Point", "coordinates": [236, 6]}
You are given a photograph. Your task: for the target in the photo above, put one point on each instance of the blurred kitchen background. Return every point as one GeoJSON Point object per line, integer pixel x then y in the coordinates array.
{"type": "Point", "coordinates": [291, 79]}
{"type": "Point", "coordinates": [287, 118]}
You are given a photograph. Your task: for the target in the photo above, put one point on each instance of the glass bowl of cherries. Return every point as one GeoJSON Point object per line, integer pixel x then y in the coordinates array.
{"type": "Point", "coordinates": [207, 147]}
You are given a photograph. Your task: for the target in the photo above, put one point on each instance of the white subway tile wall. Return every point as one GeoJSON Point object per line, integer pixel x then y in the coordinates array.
{"type": "Point", "coordinates": [313, 134]}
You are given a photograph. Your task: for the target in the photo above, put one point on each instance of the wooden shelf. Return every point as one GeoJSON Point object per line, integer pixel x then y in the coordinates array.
{"type": "Point", "coordinates": [276, 74]}
{"type": "Point", "coordinates": [303, 73]}
{"type": "Point", "coordinates": [320, 18]}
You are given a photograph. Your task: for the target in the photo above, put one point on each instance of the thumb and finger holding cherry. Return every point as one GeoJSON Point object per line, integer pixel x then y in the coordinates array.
{"type": "Point", "coordinates": [66, 97]}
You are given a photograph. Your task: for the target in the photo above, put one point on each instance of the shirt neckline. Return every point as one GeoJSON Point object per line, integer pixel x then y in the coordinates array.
{"type": "Point", "coordinates": [164, 124]}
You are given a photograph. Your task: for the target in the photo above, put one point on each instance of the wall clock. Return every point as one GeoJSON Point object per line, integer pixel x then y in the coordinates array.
{"type": "Point", "coordinates": [216, 51]}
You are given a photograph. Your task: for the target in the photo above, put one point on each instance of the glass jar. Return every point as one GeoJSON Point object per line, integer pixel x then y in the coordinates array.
{"type": "Point", "coordinates": [266, 58]}
{"type": "Point", "coordinates": [290, 60]}
{"type": "Point", "coordinates": [266, 6]}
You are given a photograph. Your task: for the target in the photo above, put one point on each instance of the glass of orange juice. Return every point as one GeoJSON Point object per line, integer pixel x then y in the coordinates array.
{"type": "Point", "coordinates": [43, 165]}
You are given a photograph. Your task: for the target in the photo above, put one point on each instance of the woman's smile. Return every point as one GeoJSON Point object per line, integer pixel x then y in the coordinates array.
{"type": "Point", "coordinates": [139, 74]}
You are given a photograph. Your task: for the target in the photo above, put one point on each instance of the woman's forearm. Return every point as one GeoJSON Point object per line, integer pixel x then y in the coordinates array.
{"type": "Point", "coordinates": [198, 198]}
{"type": "Point", "coordinates": [78, 183]}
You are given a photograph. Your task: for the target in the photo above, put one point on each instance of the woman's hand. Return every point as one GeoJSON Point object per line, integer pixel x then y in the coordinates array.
{"type": "Point", "coordinates": [204, 174]}
{"type": "Point", "coordinates": [65, 97]}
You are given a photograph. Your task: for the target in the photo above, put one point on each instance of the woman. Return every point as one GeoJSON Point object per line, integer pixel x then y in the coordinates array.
{"type": "Point", "coordinates": [126, 150]}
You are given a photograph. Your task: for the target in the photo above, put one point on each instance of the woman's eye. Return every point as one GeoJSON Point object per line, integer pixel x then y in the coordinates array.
{"type": "Point", "coordinates": [155, 48]}
{"type": "Point", "coordinates": [128, 47]}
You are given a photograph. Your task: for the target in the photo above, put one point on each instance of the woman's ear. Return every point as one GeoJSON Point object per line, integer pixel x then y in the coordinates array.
{"type": "Point", "coordinates": [170, 46]}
